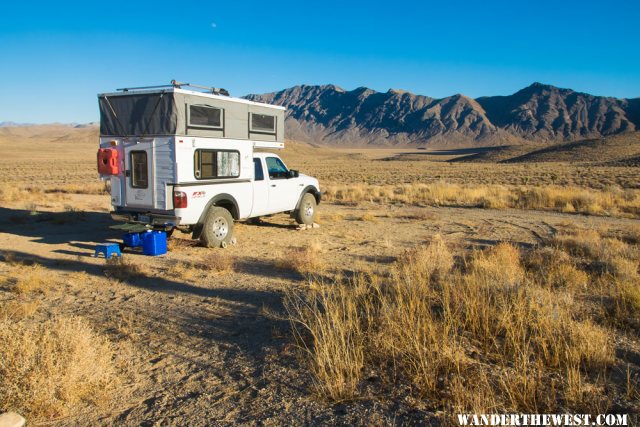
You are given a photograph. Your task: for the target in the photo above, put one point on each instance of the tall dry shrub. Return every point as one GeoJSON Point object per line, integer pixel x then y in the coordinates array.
{"type": "Point", "coordinates": [554, 268]}
{"type": "Point", "coordinates": [422, 343]}
{"type": "Point", "coordinates": [306, 260]}
{"type": "Point", "coordinates": [328, 325]}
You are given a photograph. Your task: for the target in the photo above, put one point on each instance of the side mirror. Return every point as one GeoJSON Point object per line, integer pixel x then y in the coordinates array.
{"type": "Point", "coordinates": [293, 174]}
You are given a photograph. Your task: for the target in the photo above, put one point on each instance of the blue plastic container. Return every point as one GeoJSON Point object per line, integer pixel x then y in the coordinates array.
{"type": "Point", "coordinates": [132, 240]}
{"type": "Point", "coordinates": [154, 243]}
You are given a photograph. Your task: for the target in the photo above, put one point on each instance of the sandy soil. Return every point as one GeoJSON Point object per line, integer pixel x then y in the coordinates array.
{"type": "Point", "coordinates": [210, 348]}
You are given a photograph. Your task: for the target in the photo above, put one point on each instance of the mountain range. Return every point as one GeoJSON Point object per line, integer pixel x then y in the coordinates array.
{"type": "Point", "coordinates": [539, 112]}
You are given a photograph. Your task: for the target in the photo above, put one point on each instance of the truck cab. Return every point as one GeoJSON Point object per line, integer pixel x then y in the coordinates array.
{"type": "Point", "coordinates": [277, 188]}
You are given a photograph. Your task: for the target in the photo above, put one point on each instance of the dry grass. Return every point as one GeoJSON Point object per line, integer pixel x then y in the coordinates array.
{"type": "Point", "coordinates": [17, 309]}
{"type": "Point", "coordinates": [90, 187]}
{"type": "Point", "coordinates": [487, 332]}
{"type": "Point", "coordinates": [30, 278]}
{"type": "Point", "coordinates": [31, 197]}
{"type": "Point", "coordinates": [216, 262]}
{"type": "Point", "coordinates": [14, 194]}
{"type": "Point", "coordinates": [367, 217]}
{"type": "Point", "coordinates": [49, 369]}
{"type": "Point", "coordinates": [331, 316]}
{"type": "Point", "coordinates": [185, 270]}
{"type": "Point", "coordinates": [607, 255]}
{"type": "Point", "coordinates": [306, 260]}
{"type": "Point", "coordinates": [120, 269]}
{"type": "Point", "coordinates": [610, 202]}
{"type": "Point", "coordinates": [328, 217]}
{"type": "Point", "coordinates": [219, 262]}
{"type": "Point", "coordinates": [554, 268]}
{"type": "Point", "coordinates": [179, 244]}
{"type": "Point", "coordinates": [616, 267]}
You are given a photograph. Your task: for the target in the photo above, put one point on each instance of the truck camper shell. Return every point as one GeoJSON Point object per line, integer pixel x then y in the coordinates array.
{"type": "Point", "coordinates": [177, 111]}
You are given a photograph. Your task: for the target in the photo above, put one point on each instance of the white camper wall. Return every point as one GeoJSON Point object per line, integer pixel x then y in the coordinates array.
{"type": "Point", "coordinates": [201, 191]}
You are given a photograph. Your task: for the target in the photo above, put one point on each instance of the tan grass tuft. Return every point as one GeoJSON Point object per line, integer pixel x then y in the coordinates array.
{"type": "Point", "coordinates": [555, 268]}
{"type": "Point", "coordinates": [184, 270]}
{"type": "Point", "coordinates": [49, 369]}
{"type": "Point", "coordinates": [219, 262]}
{"type": "Point", "coordinates": [31, 279]}
{"type": "Point", "coordinates": [17, 310]}
{"type": "Point", "coordinates": [425, 263]}
{"type": "Point", "coordinates": [367, 217]}
{"type": "Point", "coordinates": [121, 269]}
{"type": "Point", "coordinates": [304, 260]}
{"type": "Point", "coordinates": [328, 327]}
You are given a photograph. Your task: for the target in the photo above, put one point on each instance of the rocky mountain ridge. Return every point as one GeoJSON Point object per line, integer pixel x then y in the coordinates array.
{"type": "Point", "coordinates": [544, 113]}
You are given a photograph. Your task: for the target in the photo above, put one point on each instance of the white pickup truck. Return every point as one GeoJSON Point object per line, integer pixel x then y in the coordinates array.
{"type": "Point", "coordinates": [190, 160]}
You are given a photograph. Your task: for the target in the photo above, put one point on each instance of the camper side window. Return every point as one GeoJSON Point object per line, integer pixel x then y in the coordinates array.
{"type": "Point", "coordinates": [211, 164]}
{"type": "Point", "coordinates": [203, 116]}
{"type": "Point", "coordinates": [262, 123]}
{"type": "Point", "coordinates": [139, 169]}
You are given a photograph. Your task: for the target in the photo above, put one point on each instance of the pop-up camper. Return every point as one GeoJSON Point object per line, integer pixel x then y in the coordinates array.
{"type": "Point", "coordinates": [190, 159]}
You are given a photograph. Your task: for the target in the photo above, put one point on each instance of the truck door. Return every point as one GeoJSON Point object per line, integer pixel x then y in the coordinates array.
{"type": "Point", "coordinates": [139, 175]}
{"type": "Point", "coordinates": [260, 189]}
{"type": "Point", "coordinates": [283, 191]}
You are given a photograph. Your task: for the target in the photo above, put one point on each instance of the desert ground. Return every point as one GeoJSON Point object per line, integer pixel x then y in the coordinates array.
{"type": "Point", "coordinates": [366, 320]}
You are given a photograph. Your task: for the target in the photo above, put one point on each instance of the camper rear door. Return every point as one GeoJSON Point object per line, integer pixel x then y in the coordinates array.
{"type": "Point", "coordinates": [139, 183]}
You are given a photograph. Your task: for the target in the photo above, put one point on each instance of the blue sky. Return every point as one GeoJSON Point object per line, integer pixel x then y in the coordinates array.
{"type": "Point", "coordinates": [56, 56]}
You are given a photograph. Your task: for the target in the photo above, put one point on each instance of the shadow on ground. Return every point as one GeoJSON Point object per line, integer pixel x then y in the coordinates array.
{"type": "Point", "coordinates": [56, 228]}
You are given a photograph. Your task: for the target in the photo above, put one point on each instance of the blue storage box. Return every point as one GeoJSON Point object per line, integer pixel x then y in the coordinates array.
{"type": "Point", "coordinates": [132, 240]}
{"type": "Point", "coordinates": [154, 243]}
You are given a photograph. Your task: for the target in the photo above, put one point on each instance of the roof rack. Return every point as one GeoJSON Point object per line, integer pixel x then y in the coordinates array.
{"type": "Point", "coordinates": [178, 85]}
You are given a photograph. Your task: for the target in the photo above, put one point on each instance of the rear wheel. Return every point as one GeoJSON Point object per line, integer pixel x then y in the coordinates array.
{"type": "Point", "coordinates": [217, 228]}
{"type": "Point", "coordinates": [306, 213]}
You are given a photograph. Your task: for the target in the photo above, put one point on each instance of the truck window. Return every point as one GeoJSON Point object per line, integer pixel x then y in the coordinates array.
{"type": "Point", "coordinates": [139, 175]}
{"type": "Point", "coordinates": [258, 174]}
{"type": "Point", "coordinates": [205, 117]}
{"type": "Point", "coordinates": [277, 169]}
{"type": "Point", "coordinates": [262, 123]}
{"type": "Point", "coordinates": [211, 164]}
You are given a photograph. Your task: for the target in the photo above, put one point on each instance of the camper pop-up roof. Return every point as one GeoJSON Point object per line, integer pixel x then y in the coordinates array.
{"type": "Point", "coordinates": [163, 111]}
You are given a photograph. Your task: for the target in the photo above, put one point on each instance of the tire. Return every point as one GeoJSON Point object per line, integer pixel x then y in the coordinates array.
{"type": "Point", "coordinates": [217, 228]}
{"type": "Point", "coordinates": [306, 213]}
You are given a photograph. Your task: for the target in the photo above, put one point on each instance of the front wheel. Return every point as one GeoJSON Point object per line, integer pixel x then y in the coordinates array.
{"type": "Point", "coordinates": [306, 213]}
{"type": "Point", "coordinates": [217, 229]}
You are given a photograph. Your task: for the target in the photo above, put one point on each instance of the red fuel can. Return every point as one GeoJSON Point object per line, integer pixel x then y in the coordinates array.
{"type": "Point", "coordinates": [108, 161]}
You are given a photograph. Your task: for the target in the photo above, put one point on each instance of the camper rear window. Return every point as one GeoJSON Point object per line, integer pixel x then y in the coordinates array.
{"type": "Point", "coordinates": [262, 123]}
{"type": "Point", "coordinates": [211, 164]}
{"type": "Point", "coordinates": [139, 168]}
{"type": "Point", "coordinates": [205, 116]}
